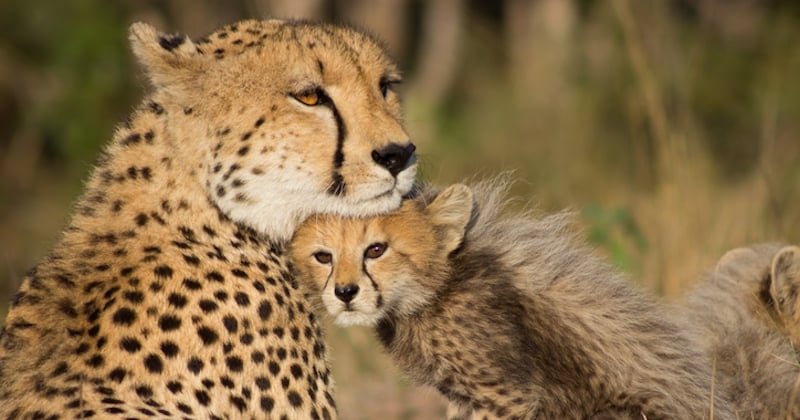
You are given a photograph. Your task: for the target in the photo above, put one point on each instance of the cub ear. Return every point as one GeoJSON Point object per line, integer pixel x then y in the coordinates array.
{"type": "Point", "coordinates": [734, 258]}
{"type": "Point", "coordinates": [786, 280]}
{"type": "Point", "coordinates": [169, 60]}
{"type": "Point", "coordinates": [450, 212]}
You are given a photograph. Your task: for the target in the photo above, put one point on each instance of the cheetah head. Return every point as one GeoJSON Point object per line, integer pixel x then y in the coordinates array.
{"type": "Point", "coordinates": [363, 270]}
{"type": "Point", "coordinates": [784, 286]}
{"type": "Point", "coordinates": [278, 120]}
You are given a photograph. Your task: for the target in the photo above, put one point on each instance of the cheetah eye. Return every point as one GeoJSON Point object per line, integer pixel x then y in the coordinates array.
{"type": "Point", "coordinates": [323, 257]}
{"type": "Point", "coordinates": [385, 85]}
{"type": "Point", "coordinates": [375, 250]}
{"type": "Point", "coordinates": [310, 97]}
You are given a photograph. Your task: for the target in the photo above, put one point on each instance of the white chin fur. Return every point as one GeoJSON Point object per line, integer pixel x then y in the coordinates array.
{"type": "Point", "coordinates": [349, 318]}
{"type": "Point", "coordinates": [276, 208]}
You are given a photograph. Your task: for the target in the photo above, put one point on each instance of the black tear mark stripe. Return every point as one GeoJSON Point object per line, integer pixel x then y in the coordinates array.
{"type": "Point", "coordinates": [337, 186]}
{"type": "Point", "coordinates": [379, 299]}
{"type": "Point", "coordinates": [369, 276]}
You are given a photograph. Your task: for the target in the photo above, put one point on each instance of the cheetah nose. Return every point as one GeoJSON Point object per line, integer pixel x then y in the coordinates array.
{"type": "Point", "coordinates": [394, 157]}
{"type": "Point", "coordinates": [346, 293]}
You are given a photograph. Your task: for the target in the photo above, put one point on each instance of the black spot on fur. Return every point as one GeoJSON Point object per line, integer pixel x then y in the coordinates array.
{"type": "Point", "coordinates": [117, 375]}
{"type": "Point", "coordinates": [169, 348]}
{"type": "Point", "coordinates": [215, 276]}
{"type": "Point", "coordinates": [177, 300]}
{"type": "Point", "coordinates": [208, 335]}
{"type": "Point", "coordinates": [156, 108]}
{"type": "Point", "coordinates": [174, 387]}
{"type": "Point", "coordinates": [242, 299]}
{"type": "Point", "coordinates": [169, 323]}
{"type": "Point", "coordinates": [227, 382]}
{"type": "Point", "coordinates": [195, 365]}
{"type": "Point", "coordinates": [141, 219]}
{"type": "Point", "coordinates": [230, 323]}
{"type": "Point", "coordinates": [131, 139]}
{"type": "Point", "coordinates": [95, 361]}
{"type": "Point", "coordinates": [296, 370]}
{"type": "Point", "coordinates": [234, 363]}
{"type": "Point", "coordinates": [124, 316]}
{"type": "Point", "coordinates": [202, 397]}
{"type": "Point", "coordinates": [264, 310]}
{"type": "Point", "coordinates": [192, 260]}
{"type": "Point", "coordinates": [133, 296]}
{"type": "Point", "coordinates": [153, 363]}
{"type": "Point", "coordinates": [267, 404]}
{"type": "Point", "coordinates": [274, 368]}
{"type": "Point", "coordinates": [295, 399]}
{"type": "Point", "coordinates": [163, 271]}
{"type": "Point", "coordinates": [208, 306]}
{"type": "Point", "coordinates": [170, 42]}
{"type": "Point", "coordinates": [192, 284]}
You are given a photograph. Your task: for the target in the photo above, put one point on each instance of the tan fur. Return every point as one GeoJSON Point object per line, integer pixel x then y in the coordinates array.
{"type": "Point", "coordinates": [169, 292]}
{"type": "Point", "coordinates": [515, 319]}
{"type": "Point", "coordinates": [745, 315]}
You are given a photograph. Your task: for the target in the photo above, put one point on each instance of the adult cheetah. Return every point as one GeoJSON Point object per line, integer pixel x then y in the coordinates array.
{"type": "Point", "coordinates": [169, 292]}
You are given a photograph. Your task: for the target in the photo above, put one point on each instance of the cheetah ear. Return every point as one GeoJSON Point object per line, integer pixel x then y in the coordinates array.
{"type": "Point", "coordinates": [450, 212]}
{"type": "Point", "coordinates": [786, 280]}
{"type": "Point", "coordinates": [171, 61]}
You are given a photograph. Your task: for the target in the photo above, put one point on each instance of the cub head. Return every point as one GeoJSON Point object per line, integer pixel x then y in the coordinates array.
{"type": "Point", "coordinates": [279, 120]}
{"type": "Point", "coordinates": [366, 269]}
{"type": "Point", "coordinates": [784, 289]}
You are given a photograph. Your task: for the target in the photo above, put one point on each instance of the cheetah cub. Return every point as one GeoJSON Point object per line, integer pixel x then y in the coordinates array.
{"type": "Point", "coordinates": [508, 316]}
{"type": "Point", "coordinates": [746, 315]}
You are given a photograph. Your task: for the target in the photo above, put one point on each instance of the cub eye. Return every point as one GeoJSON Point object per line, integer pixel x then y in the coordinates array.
{"type": "Point", "coordinates": [323, 257]}
{"type": "Point", "coordinates": [375, 250]}
{"type": "Point", "coordinates": [310, 97]}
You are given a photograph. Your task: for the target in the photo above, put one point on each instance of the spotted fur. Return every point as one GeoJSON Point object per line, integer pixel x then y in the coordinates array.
{"type": "Point", "coordinates": [169, 293]}
{"type": "Point", "coordinates": [509, 316]}
{"type": "Point", "coordinates": [745, 315]}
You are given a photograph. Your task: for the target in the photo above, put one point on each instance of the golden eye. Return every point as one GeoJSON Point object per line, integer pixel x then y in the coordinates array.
{"type": "Point", "coordinates": [386, 84]}
{"type": "Point", "coordinates": [323, 257]}
{"type": "Point", "coordinates": [310, 97]}
{"type": "Point", "coordinates": [375, 250]}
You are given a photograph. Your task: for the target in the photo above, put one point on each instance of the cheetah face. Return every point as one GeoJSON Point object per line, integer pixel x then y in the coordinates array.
{"type": "Point", "coordinates": [281, 120]}
{"type": "Point", "coordinates": [784, 285]}
{"type": "Point", "coordinates": [365, 269]}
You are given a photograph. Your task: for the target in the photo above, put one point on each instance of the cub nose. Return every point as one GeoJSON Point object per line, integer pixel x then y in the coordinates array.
{"type": "Point", "coordinates": [346, 293]}
{"type": "Point", "coordinates": [394, 157]}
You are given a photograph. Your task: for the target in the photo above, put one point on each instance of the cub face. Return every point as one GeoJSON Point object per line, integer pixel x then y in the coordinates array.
{"type": "Point", "coordinates": [280, 120]}
{"type": "Point", "coordinates": [766, 278]}
{"type": "Point", "coordinates": [784, 290]}
{"type": "Point", "coordinates": [364, 269]}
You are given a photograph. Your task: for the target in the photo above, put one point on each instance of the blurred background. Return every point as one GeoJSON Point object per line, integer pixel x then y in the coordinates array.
{"type": "Point", "coordinates": [672, 126]}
